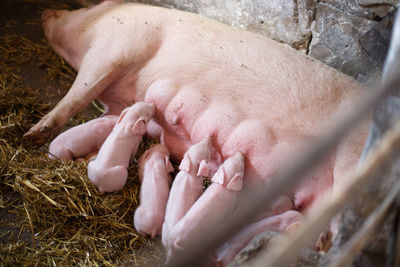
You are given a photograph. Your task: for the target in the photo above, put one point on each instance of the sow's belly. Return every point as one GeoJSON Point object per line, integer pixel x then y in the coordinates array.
{"type": "Point", "coordinates": [264, 154]}
{"type": "Point", "coordinates": [187, 115]}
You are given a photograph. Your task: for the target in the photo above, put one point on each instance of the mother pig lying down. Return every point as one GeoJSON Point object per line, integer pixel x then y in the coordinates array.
{"type": "Point", "coordinates": [231, 105]}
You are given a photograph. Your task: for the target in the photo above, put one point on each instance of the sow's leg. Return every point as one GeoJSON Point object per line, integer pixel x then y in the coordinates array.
{"type": "Point", "coordinates": [211, 209]}
{"type": "Point", "coordinates": [188, 184]}
{"type": "Point", "coordinates": [92, 79]}
{"type": "Point", "coordinates": [154, 169]}
{"type": "Point", "coordinates": [82, 140]}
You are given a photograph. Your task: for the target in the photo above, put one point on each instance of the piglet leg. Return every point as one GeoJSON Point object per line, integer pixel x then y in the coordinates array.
{"type": "Point", "coordinates": [154, 169]}
{"type": "Point", "coordinates": [212, 208]}
{"type": "Point", "coordinates": [278, 223]}
{"type": "Point", "coordinates": [108, 172]}
{"type": "Point", "coordinates": [188, 184]}
{"type": "Point", "coordinates": [82, 140]}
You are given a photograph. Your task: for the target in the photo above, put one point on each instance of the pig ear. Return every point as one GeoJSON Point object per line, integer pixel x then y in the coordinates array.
{"type": "Point", "coordinates": [123, 113]}
{"type": "Point", "coordinates": [168, 165]}
{"type": "Point", "coordinates": [204, 169]}
{"type": "Point", "coordinates": [139, 127]}
{"type": "Point", "coordinates": [219, 176]}
{"type": "Point", "coordinates": [236, 183]}
{"type": "Point", "coordinates": [186, 163]}
{"type": "Point", "coordinates": [144, 155]}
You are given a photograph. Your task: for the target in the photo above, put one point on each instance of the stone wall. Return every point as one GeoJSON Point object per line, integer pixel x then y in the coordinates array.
{"type": "Point", "coordinates": [337, 32]}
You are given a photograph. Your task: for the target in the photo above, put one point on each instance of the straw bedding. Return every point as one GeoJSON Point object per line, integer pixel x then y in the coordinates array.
{"type": "Point", "coordinates": [50, 214]}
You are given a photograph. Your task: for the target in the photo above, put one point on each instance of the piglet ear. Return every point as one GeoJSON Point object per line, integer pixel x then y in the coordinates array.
{"type": "Point", "coordinates": [186, 163]}
{"type": "Point", "coordinates": [123, 113]}
{"type": "Point", "coordinates": [204, 169]}
{"type": "Point", "coordinates": [144, 156]}
{"type": "Point", "coordinates": [168, 165]}
{"type": "Point", "coordinates": [236, 183]}
{"type": "Point", "coordinates": [219, 176]}
{"type": "Point", "coordinates": [139, 128]}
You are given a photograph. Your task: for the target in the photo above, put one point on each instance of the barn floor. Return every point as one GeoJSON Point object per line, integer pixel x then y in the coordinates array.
{"type": "Point", "coordinates": [33, 68]}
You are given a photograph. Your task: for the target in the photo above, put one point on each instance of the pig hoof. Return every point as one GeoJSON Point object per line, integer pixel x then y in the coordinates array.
{"type": "Point", "coordinates": [36, 137]}
{"type": "Point", "coordinates": [45, 129]}
{"type": "Point", "coordinates": [40, 133]}
{"type": "Point", "coordinates": [324, 241]}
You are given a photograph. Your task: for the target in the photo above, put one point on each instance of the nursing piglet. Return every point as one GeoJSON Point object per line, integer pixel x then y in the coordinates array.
{"type": "Point", "coordinates": [284, 222]}
{"type": "Point", "coordinates": [194, 166]}
{"type": "Point", "coordinates": [108, 172]}
{"type": "Point", "coordinates": [91, 134]}
{"type": "Point", "coordinates": [212, 208]}
{"type": "Point", "coordinates": [154, 169]}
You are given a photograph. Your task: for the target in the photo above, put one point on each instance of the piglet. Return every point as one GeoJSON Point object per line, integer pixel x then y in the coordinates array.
{"type": "Point", "coordinates": [154, 169]}
{"type": "Point", "coordinates": [108, 172]}
{"type": "Point", "coordinates": [283, 222]}
{"type": "Point", "coordinates": [194, 166]}
{"type": "Point", "coordinates": [212, 208]}
{"type": "Point", "coordinates": [91, 135]}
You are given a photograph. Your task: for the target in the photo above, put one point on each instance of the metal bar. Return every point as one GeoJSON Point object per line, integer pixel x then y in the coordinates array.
{"type": "Point", "coordinates": [318, 219]}
{"type": "Point", "coordinates": [368, 229]}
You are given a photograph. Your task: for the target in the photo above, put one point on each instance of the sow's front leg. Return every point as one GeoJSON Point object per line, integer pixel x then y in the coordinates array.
{"type": "Point", "coordinates": [154, 169]}
{"type": "Point", "coordinates": [82, 140]}
{"type": "Point", "coordinates": [211, 209]}
{"type": "Point", "coordinates": [108, 172]}
{"type": "Point", "coordinates": [93, 78]}
{"type": "Point", "coordinates": [188, 184]}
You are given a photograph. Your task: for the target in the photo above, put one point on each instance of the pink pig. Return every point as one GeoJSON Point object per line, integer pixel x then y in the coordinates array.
{"type": "Point", "coordinates": [109, 170]}
{"type": "Point", "coordinates": [203, 218]}
{"type": "Point", "coordinates": [280, 223]}
{"type": "Point", "coordinates": [245, 92]}
{"type": "Point", "coordinates": [91, 137]}
{"type": "Point", "coordinates": [154, 169]}
{"type": "Point", "coordinates": [194, 166]}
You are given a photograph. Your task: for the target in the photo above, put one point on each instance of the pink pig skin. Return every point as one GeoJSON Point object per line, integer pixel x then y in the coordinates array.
{"type": "Point", "coordinates": [154, 169]}
{"type": "Point", "coordinates": [188, 184]}
{"type": "Point", "coordinates": [81, 140]}
{"type": "Point", "coordinates": [108, 172]}
{"type": "Point", "coordinates": [277, 223]}
{"type": "Point", "coordinates": [212, 208]}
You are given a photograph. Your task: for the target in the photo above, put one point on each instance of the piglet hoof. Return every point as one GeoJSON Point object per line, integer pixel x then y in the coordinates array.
{"type": "Point", "coordinates": [324, 241]}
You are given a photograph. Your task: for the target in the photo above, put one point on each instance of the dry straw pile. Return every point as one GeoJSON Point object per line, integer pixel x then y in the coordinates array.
{"type": "Point", "coordinates": [50, 213]}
